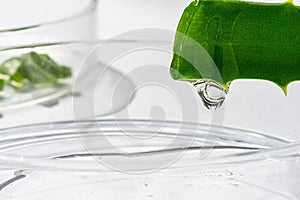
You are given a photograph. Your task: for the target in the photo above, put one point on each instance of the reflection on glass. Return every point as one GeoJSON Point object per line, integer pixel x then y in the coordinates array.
{"type": "Point", "coordinates": [40, 21]}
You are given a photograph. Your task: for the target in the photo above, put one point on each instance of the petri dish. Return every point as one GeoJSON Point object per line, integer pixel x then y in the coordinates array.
{"type": "Point", "coordinates": [145, 159]}
{"type": "Point", "coordinates": [73, 55]}
{"type": "Point", "coordinates": [34, 21]}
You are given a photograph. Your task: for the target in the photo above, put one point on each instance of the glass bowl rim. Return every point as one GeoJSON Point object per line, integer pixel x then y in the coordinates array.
{"type": "Point", "coordinates": [17, 29]}
{"type": "Point", "coordinates": [283, 148]}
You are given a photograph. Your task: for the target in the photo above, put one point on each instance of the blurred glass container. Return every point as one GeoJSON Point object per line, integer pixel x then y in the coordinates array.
{"type": "Point", "coordinates": [59, 97]}
{"type": "Point", "coordinates": [140, 159]}
{"type": "Point", "coordinates": [40, 21]}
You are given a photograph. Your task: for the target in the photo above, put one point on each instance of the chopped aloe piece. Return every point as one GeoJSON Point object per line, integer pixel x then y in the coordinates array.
{"type": "Point", "coordinates": [2, 84]}
{"type": "Point", "coordinates": [32, 69]}
{"type": "Point", "coordinates": [10, 66]}
{"type": "Point", "coordinates": [65, 72]}
{"type": "Point", "coordinates": [48, 64]}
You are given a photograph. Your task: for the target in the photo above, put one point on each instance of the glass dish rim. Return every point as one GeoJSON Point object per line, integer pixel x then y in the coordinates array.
{"type": "Point", "coordinates": [18, 29]}
{"type": "Point", "coordinates": [7, 162]}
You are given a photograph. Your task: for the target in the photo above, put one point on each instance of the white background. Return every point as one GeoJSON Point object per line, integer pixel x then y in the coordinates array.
{"type": "Point", "coordinates": [255, 105]}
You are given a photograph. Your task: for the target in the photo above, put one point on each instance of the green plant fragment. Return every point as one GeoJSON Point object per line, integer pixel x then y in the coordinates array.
{"type": "Point", "coordinates": [32, 69]}
{"type": "Point", "coordinates": [245, 40]}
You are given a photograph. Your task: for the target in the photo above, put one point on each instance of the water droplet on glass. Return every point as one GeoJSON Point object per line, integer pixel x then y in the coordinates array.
{"type": "Point", "coordinates": [211, 94]}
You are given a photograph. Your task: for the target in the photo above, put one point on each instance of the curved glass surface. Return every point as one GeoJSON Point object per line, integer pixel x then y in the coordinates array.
{"type": "Point", "coordinates": [110, 144]}
{"type": "Point", "coordinates": [34, 13]}
{"type": "Point", "coordinates": [42, 21]}
{"type": "Point", "coordinates": [144, 159]}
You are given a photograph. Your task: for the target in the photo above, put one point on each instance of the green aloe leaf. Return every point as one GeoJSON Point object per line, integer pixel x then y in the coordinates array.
{"type": "Point", "coordinates": [65, 72]}
{"type": "Point", "coordinates": [245, 40]}
{"type": "Point", "coordinates": [2, 83]}
{"type": "Point", "coordinates": [32, 69]}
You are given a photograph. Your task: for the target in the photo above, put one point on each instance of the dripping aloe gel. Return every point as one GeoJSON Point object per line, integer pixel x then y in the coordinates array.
{"type": "Point", "coordinates": [246, 40]}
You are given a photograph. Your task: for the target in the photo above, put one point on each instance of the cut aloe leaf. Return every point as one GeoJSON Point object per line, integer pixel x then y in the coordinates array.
{"type": "Point", "coordinates": [245, 41]}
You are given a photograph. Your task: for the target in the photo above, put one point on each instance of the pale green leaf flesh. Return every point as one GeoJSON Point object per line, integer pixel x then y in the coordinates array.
{"type": "Point", "coordinates": [32, 68]}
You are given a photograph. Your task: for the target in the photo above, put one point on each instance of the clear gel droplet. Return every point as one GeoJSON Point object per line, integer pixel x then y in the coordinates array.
{"type": "Point", "coordinates": [211, 94]}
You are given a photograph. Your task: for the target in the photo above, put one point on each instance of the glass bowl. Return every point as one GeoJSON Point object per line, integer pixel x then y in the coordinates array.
{"type": "Point", "coordinates": [143, 159]}
{"type": "Point", "coordinates": [71, 54]}
{"type": "Point", "coordinates": [42, 21]}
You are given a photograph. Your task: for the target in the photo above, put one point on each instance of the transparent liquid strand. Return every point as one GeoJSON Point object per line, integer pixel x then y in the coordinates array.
{"type": "Point", "coordinates": [211, 94]}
